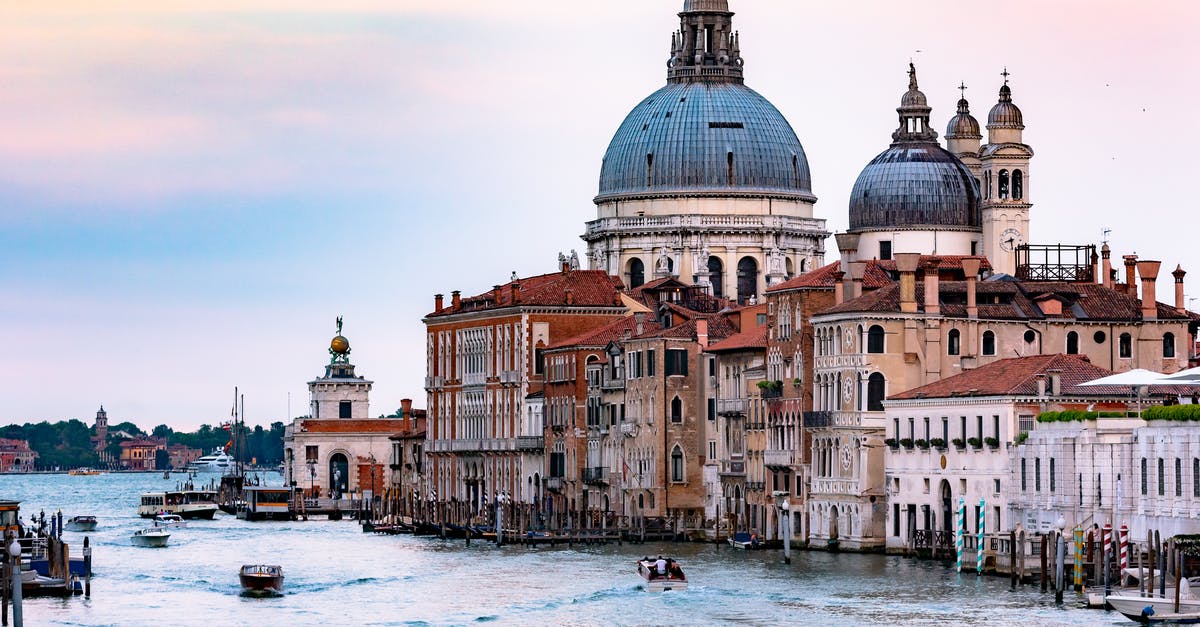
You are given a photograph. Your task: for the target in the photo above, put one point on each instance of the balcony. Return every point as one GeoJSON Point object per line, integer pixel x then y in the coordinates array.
{"type": "Point", "coordinates": [554, 484]}
{"type": "Point", "coordinates": [755, 486]}
{"type": "Point", "coordinates": [612, 384]}
{"type": "Point", "coordinates": [531, 443]}
{"type": "Point", "coordinates": [730, 468]}
{"type": "Point", "coordinates": [850, 419]}
{"type": "Point", "coordinates": [629, 429]}
{"type": "Point", "coordinates": [510, 377]}
{"type": "Point", "coordinates": [836, 486]}
{"type": "Point", "coordinates": [434, 383]}
{"type": "Point", "coordinates": [595, 476]}
{"type": "Point", "coordinates": [780, 458]}
{"type": "Point", "coordinates": [731, 406]}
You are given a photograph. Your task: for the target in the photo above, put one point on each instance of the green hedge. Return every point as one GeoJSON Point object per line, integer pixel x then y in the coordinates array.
{"type": "Point", "coordinates": [1067, 416]}
{"type": "Point", "coordinates": [1178, 413]}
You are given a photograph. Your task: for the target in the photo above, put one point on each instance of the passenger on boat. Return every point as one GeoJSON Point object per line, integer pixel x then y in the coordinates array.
{"type": "Point", "coordinates": [661, 566]}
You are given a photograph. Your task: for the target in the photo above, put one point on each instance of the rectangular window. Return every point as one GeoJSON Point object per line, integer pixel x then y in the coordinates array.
{"type": "Point", "coordinates": [310, 454]}
{"type": "Point", "coordinates": [677, 468]}
{"type": "Point", "coordinates": [1025, 423]}
{"type": "Point", "coordinates": [1052, 478]}
{"type": "Point", "coordinates": [896, 424]}
{"type": "Point", "coordinates": [1196, 477]}
{"type": "Point", "coordinates": [912, 432]}
{"type": "Point", "coordinates": [557, 464]}
{"type": "Point", "coordinates": [896, 520]}
{"type": "Point", "coordinates": [927, 427]}
{"type": "Point", "coordinates": [712, 449]}
{"type": "Point", "coordinates": [996, 427]}
{"type": "Point", "coordinates": [343, 409]}
{"type": "Point", "coordinates": [979, 427]}
{"type": "Point", "coordinates": [946, 430]}
{"type": "Point", "coordinates": [995, 486]}
{"type": "Point", "coordinates": [677, 362]}
{"type": "Point", "coordinates": [885, 250]}
{"type": "Point", "coordinates": [963, 425]}
{"type": "Point", "coordinates": [712, 409]}
{"type": "Point", "coordinates": [1178, 477]}
{"type": "Point", "coordinates": [1162, 477]}
{"type": "Point", "coordinates": [1037, 474]}
{"type": "Point", "coordinates": [650, 363]}
{"type": "Point", "coordinates": [1024, 476]}
{"type": "Point", "coordinates": [1145, 478]}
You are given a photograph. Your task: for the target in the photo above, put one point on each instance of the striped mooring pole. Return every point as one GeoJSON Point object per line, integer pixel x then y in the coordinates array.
{"type": "Point", "coordinates": [1124, 547]}
{"type": "Point", "coordinates": [979, 538]}
{"type": "Point", "coordinates": [1078, 558]}
{"type": "Point", "coordinates": [960, 514]}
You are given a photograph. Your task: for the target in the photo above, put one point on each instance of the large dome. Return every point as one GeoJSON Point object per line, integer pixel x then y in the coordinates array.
{"type": "Point", "coordinates": [705, 138]}
{"type": "Point", "coordinates": [915, 184]}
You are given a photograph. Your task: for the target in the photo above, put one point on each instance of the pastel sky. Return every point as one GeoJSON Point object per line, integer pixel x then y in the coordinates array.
{"type": "Point", "coordinates": [191, 192]}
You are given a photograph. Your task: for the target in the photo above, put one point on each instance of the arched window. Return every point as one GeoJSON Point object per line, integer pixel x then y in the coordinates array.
{"type": "Point", "coordinates": [1003, 185]}
{"type": "Point", "coordinates": [677, 464]}
{"type": "Point", "coordinates": [1072, 343]}
{"type": "Point", "coordinates": [1168, 345]}
{"type": "Point", "coordinates": [989, 343]}
{"type": "Point", "coordinates": [716, 275]}
{"type": "Point", "coordinates": [1018, 185]}
{"type": "Point", "coordinates": [637, 273]}
{"type": "Point", "coordinates": [1125, 346]}
{"type": "Point", "coordinates": [875, 339]}
{"type": "Point", "coordinates": [747, 273]}
{"type": "Point", "coordinates": [954, 342]}
{"type": "Point", "coordinates": [676, 410]}
{"type": "Point", "coordinates": [876, 385]}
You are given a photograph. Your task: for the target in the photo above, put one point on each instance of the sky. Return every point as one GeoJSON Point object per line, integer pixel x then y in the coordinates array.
{"type": "Point", "coordinates": [191, 192]}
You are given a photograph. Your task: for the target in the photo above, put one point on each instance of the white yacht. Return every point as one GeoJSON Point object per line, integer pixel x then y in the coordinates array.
{"type": "Point", "coordinates": [217, 461]}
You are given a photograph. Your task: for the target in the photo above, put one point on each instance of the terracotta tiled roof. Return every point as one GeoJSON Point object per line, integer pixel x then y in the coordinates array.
{"type": "Point", "coordinates": [1015, 300]}
{"type": "Point", "coordinates": [754, 338]}
{"type": "Point", "coordinates": [945, 262]}
{"type": "Point", "coordinates": [377, 425]}
{"type": "Point", "coordinates": [719, 327]}
{"type": "Point", "coordinates": [1016, 377]}
{"type": "Point", "coordinates": [608, 333]}
{"type": "Point", "coordinates": [875, 277]}
{"type": "Point", "coordinates": [588, 288]}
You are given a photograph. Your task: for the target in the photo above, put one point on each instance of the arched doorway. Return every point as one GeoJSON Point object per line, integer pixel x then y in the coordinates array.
{"type": "Point", "coordinates": [716, 276]}
{"type": "Point", "coordinates": [947, 507]}
{"type": "Point", "coordinates": [637, 273]}
{"type": "Point", "coordinates": [339, 475]}
{"type": "Point", "coordinates": [833, 524]}
{"type": "Point", "coordinates": [747, 279]}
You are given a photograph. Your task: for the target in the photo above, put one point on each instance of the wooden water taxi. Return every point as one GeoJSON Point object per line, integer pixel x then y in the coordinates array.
{"type": "Point", "coordinates": [261, 578]}
{"type": "Point", "coordinates": [81, 523]}
{"type": "Point", "coordinates": [661, 575]}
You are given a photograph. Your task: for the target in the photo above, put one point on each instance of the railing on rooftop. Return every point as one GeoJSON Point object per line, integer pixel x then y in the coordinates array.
{"type": "Point", "coordinates": [1056, 262]}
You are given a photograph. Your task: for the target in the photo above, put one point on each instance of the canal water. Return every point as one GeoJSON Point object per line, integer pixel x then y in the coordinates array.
{"type": "Point", "coordinates": [337, 575]}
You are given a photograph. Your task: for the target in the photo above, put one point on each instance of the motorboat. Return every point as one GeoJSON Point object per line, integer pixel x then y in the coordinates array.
{"type": "Point", "coordinates": [217, 461]}
{"type": "Point", "coordinates": [672, 577]}
{"type": "Point", "coordinates": [743, 540]}
{"type": "Point", "coordinates": [151, 537]}
{"type": "Point", "coordinates": [1158, 609]}
{"type": "Point", "coordinates": [81, 523]}
{"type": "Point", "coordinates": [257, 578]}
{"type": "Point", "coordinates": [83, 472]}
{"type": "Point", "coordinates": [169, 521]}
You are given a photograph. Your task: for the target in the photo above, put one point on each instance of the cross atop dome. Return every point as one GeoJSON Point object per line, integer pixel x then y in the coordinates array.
{"type": "Point", "coordinates": [705, 48]}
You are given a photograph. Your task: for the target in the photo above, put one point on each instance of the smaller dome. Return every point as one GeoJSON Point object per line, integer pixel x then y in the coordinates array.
{"type": "Point", "coordinates": [963, 125]}
{"type": "Point", "coordinates": [913, 98]}
{"type": "Point", "coordinates": [1006, 114]}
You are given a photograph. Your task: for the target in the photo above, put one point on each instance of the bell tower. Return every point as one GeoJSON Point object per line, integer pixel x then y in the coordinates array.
{"type": "Point", "coordinates": [1004, 162]}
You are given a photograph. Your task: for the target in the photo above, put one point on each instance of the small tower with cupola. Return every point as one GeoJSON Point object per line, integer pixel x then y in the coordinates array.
{"type": "Point", "coordinates": [1004, 163]}
{"type": "Point", "coordinates": [340, 394]}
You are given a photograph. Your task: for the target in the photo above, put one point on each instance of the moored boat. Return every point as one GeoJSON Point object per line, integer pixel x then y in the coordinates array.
{"type": "Point", "coordinates": [661, 575]}
{"type": "Point", "coordinates": [1158, 609]}
{"type": "Point", "coordinates": [151, 537]}
{"type": "Point", "coordinates": [261, 578]}
{"type": "Point", "coordinates": [743, 540]}
{"type": "Point", "coordinates": [81, 523]}
{"type": "Point", "coordinates": [217, 461]}
{"type": "Point", "coordinates": [267, 503]}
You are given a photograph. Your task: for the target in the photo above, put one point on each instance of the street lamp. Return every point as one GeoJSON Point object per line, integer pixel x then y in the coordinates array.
{"type": "Point", "coordinates": [312, 476]}
{"type": "Point", "coordinates": [785, 524]}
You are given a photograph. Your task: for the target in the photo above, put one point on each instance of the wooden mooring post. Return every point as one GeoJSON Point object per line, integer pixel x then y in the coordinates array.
{"type": "Point", "coordinates": [1044, 564]}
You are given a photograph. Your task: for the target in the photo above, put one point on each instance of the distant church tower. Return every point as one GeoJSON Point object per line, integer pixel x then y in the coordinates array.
{"type": "Point", "coordinates": [705, 180]}
{"type": "Point", "coordinates": [1004, 161]}
{"type": "Point", "coordinates": [340, 395]}
{"type": "Point", "coordinates": [101, 427]}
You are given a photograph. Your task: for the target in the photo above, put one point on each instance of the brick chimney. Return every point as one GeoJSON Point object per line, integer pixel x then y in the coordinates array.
{"type": "Point", "coordinates": [1055, 382]}
{"type": "Point", "coordinates": [516, 292]}
{"type": "Point", "coordinates": [455, 299]}
{"type": "Point", "coordinates": [971, 266]}
{"type": "Point", "coordinates": [1148, 271]}
{"type": "Point", "coordinates": [702, 333]}
{"type": "Point", "coordinates": [858, 270]}
{"type": "Point", "coordinates": [839, 288]}
{"type": "Point", "coordinates": [1130, 279]}
{"type": "Point", "coordinates": [1106, 270]}
{"type": "Point", "coordinates": [437, 303]}
{"type": "Point", "coordinates": [906, 264]}
{"type": "Point", "coordinates": [640, 320]}
{"type": "Point", "coordinates": [406, 410]}
{"type": "Point", "coordinates": [496, 294]}
{"type": "Point", "coordinates": [933, 306]}
{"type": "Point", "coordinates": [1179, 273]}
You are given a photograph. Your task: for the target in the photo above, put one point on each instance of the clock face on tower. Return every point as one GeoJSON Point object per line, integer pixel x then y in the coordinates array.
{"type": "Point", "coordinates": [1010, 238]}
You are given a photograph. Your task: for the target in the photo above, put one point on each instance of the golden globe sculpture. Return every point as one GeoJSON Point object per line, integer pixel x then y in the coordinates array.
{"type": "Point", "coordinates": [339, 345]}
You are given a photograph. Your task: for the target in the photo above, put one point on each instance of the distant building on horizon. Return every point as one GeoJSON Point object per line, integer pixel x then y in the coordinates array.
{"type": "Point", "coordinates": [16, 456]}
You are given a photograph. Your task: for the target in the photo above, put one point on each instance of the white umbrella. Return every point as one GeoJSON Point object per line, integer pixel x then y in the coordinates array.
{"type": "Point", "coordinates": [1136, 377]}
{"type": "Point", "coordinates": [1190, 376]}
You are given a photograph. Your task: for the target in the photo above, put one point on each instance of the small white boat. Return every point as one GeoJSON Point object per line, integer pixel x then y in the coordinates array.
{"type": "Point", "coordinates": [671, 576]}
{"type": "Point", "coordinates": [1157, 609]}
{"type": "Point", "coordinates": [169, 521]}
{"type": "Point", "coordinates": [151, 537]}
{"type": "Point", "coordinates": [81, 523]}
{"type": "Point", "coordinates": [743, 540]}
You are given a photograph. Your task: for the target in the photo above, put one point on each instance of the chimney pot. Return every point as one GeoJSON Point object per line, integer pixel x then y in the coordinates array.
{"type": "Point", "coordinates": [437, 303]}
{"type": "Point", "coordinates": [702, 333]}
{"type": "Point", "coordinates": [456, 299]}
{"type": "Point", "coordinates": [1148, 271]}
{"type": "Point", "coordinates": [516, 292]}
{"type": "Point", "coordinates": [1106, 276]}
{"type": "Point", "coordinates": [907, 264]}
{"type": "Point", "coordinates": [933, 305]}
{"type": "Point", "coordinates": [1179, 273]}
{"type": "Point", "coordinates": [570, 294]}
{"type": "Point", "coordinates": [1056, 382]}
{"type": "Point", "coordinates": [1130, 279]}
{"type": "Point", "coordinates": [406, 408]}
{"type": "Point", "coordinates": [839, 288]}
